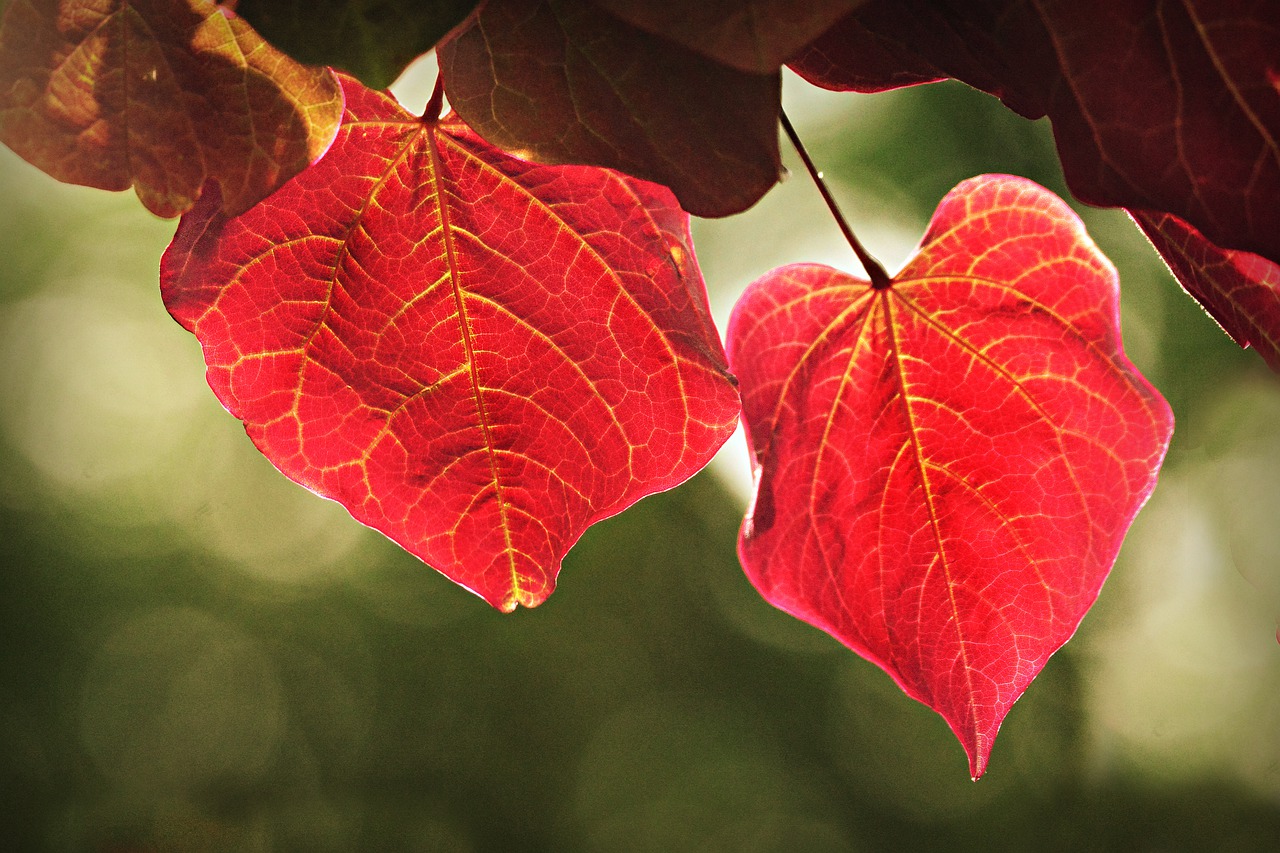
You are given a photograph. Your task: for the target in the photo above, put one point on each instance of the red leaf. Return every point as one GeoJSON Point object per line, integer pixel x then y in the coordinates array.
{"type": "Point", "coordinates": [750, 35]}
{"type": "Point", "coordinates": [1238, 289]}
{"type": "Point", "coordinates": [562, 81]}
{"type": "Point", "coordinates": [159, 95]}
{"type": "Point", "coordinates": [476, 355]}
{"type": "Point", "coordinates": [1156, 106]}
{"type": "Point", "coordinates": [946, 467]}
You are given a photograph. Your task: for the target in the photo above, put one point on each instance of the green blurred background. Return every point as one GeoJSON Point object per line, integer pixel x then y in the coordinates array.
{"type": "Point", "coordinates": [198, 655]}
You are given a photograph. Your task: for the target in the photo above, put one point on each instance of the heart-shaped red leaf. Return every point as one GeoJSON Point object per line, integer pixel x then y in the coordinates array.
{"type": "Point", "coordinates": [159, 95]}
{"type": "Point", "coordinates": [1239, 289]}
{"type": "Point", "coordinates": [946, 467]}
{"type": "Point", "coordinates": [476, 355]}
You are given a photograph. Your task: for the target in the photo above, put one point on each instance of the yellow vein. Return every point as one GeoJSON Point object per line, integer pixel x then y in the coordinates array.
{"type": "Point", "coordinates": [1003, 373]}
{"type": "Point", "coordinates": [930, 507]}
{"type": "Point", "coordinates": [612, 273]}
{"type": "Point", "coordinates": [845, 381]}
{"type": "Point", "coordinates": [1006, 522]}
{"type": "Point", "coordinates": [831, 329]}
{"type": "Point", "coordinates": [464, 325]}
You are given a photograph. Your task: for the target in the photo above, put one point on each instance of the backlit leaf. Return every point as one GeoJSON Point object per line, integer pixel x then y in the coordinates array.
{"type": "Point", "coordinates": [476, 355]}
{"type": "Point", "coordinates": [946, 467]}
{"type": "Point", "coordinates": [1157, 106]}
{"type": "Point", "coordinates": [1239, 289]}
{"type": "Point", "coordinates": [563, 81]}
{"type": "Point", "coordinates": [878, 49]}
{"type": "Point", "coordinates": [372, 39]}
{"type": "Point", "coordinates": [750, 35]}
{"type": "Point", "coordinates": [160, 95]}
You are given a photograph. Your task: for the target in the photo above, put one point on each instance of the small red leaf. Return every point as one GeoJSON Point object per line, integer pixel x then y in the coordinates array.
{"type": "Point", "coordinates": [1240, 290]}
{"type": "Point", "coordinates": [946, 467]}
{"type": "Point", "coordinates": [476, 355]}
{"type": "Point", "coordinates": [160, 95]}
{"type": "Point", "coordinates": [563, 81]}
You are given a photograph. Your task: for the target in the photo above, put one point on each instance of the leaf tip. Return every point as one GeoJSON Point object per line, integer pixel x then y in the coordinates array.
{"type": "Point", "coordinates": [520, 595]}
{"type": "Point", "coordinates": [978, 761]}
{"type": "Point", "coordinates": [504, 603]}
{"type": "Point", "coordinates": [977, 745]}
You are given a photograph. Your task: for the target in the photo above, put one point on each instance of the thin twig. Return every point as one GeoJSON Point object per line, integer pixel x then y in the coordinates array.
{"type": "Point", "coordinates": [879, 278]}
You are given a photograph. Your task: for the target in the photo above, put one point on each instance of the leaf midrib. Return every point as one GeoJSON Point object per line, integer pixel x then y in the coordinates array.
{"type": "Point", "coordinates": [917, 452]}
{"type": "Point", "coordinates": [464, 325]}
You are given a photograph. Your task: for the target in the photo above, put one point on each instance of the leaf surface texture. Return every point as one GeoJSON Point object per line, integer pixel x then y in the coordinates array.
{"type": "Point", "coordinates": [946, 467]}
{"type": "Point", "coordinates": [161, 95]}
{"type": "Point", "coordinates": [563, 81]}
{"type": "Point", "coordinates": [476, 355]}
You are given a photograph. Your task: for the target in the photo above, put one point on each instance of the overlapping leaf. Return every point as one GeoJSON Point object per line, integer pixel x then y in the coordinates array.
{"type": "Point", "coordinates": [476, 355]}
{"type": "Point", "coordinates": [159, 95]}
{"type": "Point", "coordinates": [1240, 290]}
{"type": "Point", "coordinates": [750, 35]}
{"type": "Point", "coordinates": [1157, 106]}
{"type": "Point", "coordinates": [372, 39]}
{"type": "Point", "coordinates": [946, 467]}
{"type": "Point", "coordinates": [883, 45]}
{"type": "Point", "coordinates": [563, 81]}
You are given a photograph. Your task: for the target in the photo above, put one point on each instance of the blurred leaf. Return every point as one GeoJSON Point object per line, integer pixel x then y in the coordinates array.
{"type": "Point", "coordinates": [1195, 78]}
{"type": "Point", "coordinates": [371, 39]}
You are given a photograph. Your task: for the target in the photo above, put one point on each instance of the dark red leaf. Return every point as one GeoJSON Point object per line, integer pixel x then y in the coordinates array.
{"type": "Point", "coordinates": [563, 81]}
{"type": "Point", "coordinates": [1156, 106]}
{"type": "Point", "coordinates": [1240, 290]}
{"type": "Point", "coordinates": [750, 35]}
{"type": "Point", "coordinates": [946, 467]}
{"type": "Point", "coordinates": [160, 95]}
{"type": "Point", "coordinates": [883, 46]}
{"type": "Point", "coordinates": [476, 355]}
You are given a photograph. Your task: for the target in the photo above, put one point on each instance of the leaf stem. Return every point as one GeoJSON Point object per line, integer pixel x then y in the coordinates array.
{"type": "Point", "coordinates": [432, 113]}
{"type": "Point", "coordinates": [879, 278]}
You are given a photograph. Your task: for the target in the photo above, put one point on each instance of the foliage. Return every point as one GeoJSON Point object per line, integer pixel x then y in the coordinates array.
{"type": "Point", "coordinates": [495, 389]}
{"type": "Point", "coordinates": [975, 417]}
{"type": "Point", "coordinates": [481, 356]}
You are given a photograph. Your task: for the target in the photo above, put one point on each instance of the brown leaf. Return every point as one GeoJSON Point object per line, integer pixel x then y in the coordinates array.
{"type": "Point", "coordinates": [160, 95]}
{"type": "Point", "coordinates": [562, 81]}
{"type": "Point", "coordinates": [750, 35]}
